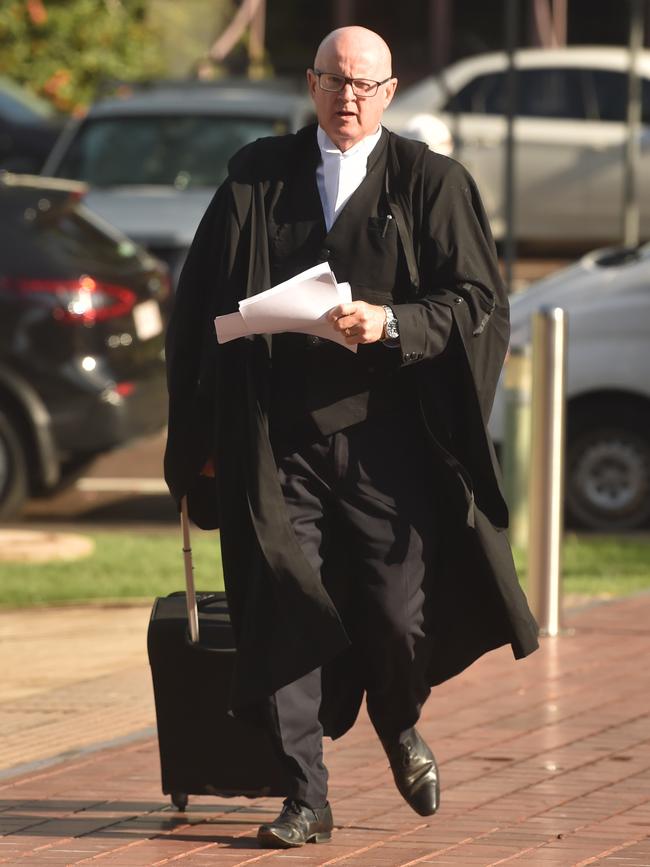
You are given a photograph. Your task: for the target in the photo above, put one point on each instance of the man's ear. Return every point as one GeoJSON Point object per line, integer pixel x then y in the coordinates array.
{"type": "Point", "coordinates": [312, 83]}
{"type": "Point", "coordinates": [391, 87]}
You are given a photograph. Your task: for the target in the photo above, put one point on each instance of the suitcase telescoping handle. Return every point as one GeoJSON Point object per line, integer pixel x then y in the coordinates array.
{"type": "Point", "coordinates": [190, 594]}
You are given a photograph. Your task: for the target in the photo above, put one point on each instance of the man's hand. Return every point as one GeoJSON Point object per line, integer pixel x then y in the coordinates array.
{"type": "Point", "coordinates": [359, 321]}
{"type": "Point", "coordinates": [208, 469]}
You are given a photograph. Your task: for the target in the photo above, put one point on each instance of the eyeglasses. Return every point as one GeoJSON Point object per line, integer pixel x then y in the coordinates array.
{"type": "Point", "coordinates": [334, 83]}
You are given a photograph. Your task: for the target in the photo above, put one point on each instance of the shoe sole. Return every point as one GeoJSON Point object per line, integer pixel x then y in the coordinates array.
{"type": "Point", "coordinates": [268, 840]}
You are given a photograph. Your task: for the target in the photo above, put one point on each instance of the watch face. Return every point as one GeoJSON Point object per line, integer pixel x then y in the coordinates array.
{"type": "Point", "coordinates": [391, 329]}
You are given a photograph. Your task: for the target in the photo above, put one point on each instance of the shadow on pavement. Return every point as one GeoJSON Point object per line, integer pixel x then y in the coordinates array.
{"type": "Point", "coordinates": [131, 820]}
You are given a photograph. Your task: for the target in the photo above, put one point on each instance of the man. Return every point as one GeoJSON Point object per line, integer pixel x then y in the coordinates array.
{"type": "Point", "coordinates": [361, 520]}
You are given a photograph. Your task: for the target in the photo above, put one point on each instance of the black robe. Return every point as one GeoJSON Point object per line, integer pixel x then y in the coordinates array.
{"type": "Point", "coordinates": [454, 328]}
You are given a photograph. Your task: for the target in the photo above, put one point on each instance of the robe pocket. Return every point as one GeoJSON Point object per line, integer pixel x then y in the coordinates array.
{"type": "Point", "coordinates": [382, 229]}
{"type": "Point", "coordinates": [377, 265]}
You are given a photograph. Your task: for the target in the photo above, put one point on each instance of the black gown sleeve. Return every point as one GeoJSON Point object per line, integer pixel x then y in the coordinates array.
{"type": "Point", "coordinates": [459, 273]}
{"type": "Point", "coordinates": [190, 351]}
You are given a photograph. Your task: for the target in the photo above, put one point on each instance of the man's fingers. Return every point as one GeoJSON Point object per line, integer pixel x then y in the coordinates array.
{"type": "Point", "coordinates": [359, 322]}
{"type": "Point", "coordinates": [342, 310]}
{"type": "Point", "coordinates": [345, 322]}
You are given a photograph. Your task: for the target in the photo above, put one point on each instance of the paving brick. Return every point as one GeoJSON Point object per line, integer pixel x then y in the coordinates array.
{"type": "Point", "coordinates": [543, 762]}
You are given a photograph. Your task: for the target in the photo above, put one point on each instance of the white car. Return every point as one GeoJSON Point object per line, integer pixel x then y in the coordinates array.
{"type": "Point", "coordinates": [569, 136]}
{"type": "Point", "coordinates": [607, 299]}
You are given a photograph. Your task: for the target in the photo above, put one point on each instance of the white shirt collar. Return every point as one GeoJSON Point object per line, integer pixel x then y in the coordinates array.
{"type": "Point", "coordinates": [339, 173]}
{"type": "Point", "coordinates": [364, 147]}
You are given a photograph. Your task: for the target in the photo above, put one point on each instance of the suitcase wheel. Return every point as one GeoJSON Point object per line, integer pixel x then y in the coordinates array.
{"type": "Point", "coordinates": [179, 800]}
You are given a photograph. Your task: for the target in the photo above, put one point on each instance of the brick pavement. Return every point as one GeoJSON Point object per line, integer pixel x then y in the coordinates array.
{"type": "Point", "coordinates": [543, 762]}
{"type": "Point", "coordinates": [73, 677]}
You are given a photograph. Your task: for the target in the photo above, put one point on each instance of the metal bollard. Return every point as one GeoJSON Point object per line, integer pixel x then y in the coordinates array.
{"type": "Point", "coordinates": [547, 468]}
{"type": "Point", "coordinates": [516, 442]}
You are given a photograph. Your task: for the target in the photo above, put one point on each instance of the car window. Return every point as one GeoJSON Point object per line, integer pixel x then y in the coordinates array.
{"type": "Point", "coordinates": [550, 93]}
{"type": "Point", "coordinates": [611, 91]}
{"type": "Point", "coordinates": [481, 96]}
{"type": "Point", "coordinates": [59, 236]}
{"type": "Point", "coordinates": [69, 233]}
{"type": "Point", "coordinates": [180, 151]}
{"type": "Point", "coordinates": [21, 106]}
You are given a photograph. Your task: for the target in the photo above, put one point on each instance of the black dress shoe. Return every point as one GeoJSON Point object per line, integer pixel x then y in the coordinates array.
{"type": "Point", "coordinates": [295, 826]}
{"type": "Point", "coordinates": [415, 771]}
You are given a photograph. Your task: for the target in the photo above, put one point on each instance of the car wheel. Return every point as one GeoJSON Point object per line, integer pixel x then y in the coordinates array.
{"type": "Point", "coordinates": [608, 468]}
{"type": "Point", "coordinates": [14, 483]}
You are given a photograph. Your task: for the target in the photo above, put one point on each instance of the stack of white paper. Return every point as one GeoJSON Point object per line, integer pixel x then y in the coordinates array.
{"type": "Point", "coordinates": [300, 304]}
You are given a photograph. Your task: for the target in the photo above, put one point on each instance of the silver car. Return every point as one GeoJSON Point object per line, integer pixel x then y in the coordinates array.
{"type": "Point", "coordinates": [154, 158]}
{"type": "Point", "coordinates": [607, 298]}
{"type": "Point", "coordinates": [569, 136]}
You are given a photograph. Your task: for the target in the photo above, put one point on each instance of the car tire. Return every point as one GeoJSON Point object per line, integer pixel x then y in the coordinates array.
{"type": "Point", "coordinates": [608, 467]}
{"type": "Point", "coordinates": [14, 481]}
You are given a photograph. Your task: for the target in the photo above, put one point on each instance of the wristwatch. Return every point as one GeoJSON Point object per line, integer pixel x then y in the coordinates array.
{"type": "Point", "coordinates": [391, 329]}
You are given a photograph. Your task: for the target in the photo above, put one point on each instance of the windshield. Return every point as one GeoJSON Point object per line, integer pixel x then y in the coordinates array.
{"type": "Point", "coordinates": [178, 151]}
{"type": "Point", "coordinates": [20, 105]}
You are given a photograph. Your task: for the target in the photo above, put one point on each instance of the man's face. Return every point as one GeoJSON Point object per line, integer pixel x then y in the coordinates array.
{"type": "Point", "coordinates": [346, 117]}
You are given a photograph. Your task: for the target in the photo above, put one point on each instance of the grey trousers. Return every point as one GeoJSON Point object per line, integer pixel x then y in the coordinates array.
{"type": "Point", "coordinates": [365, 488]}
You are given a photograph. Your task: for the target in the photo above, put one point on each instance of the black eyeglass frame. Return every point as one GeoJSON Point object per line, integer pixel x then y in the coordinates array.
{"type": "Point", "coordinates": [350, 81]}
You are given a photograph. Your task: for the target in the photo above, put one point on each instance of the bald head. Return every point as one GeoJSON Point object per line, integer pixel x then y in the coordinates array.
{"type": "Point", "coordinates": [349, 115]}
{"type": "Point", "coordinates": [365, 45]}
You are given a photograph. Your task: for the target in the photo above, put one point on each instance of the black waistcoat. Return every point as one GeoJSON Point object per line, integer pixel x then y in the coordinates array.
{"type": "Point", "coordinates": [318, 386]}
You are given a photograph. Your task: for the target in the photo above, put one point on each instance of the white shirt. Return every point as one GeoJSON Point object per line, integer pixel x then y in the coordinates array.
{"type": "Point", "coordinates": [340, 173]}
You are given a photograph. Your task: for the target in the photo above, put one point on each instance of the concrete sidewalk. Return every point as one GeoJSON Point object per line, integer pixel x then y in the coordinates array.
{"type": "Point", "coordinates": [543, 762]}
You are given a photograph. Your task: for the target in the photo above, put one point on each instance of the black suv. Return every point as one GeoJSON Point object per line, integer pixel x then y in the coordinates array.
{"type": "Point", "coordinates": [81, 337]}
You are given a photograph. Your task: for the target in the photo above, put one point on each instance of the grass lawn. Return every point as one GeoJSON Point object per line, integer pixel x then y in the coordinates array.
{"type": "Point", "coordinates": [602, 565]}
{"type": "Point", "coordinates": [142, 566]}
{"type": "Point", "coordinates": [123, 566]}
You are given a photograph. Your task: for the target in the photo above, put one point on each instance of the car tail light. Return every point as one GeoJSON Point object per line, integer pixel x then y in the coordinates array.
{"type": "Point", "coordinates": [83, 301]}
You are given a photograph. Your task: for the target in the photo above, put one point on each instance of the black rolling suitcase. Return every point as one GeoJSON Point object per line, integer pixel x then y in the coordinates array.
{"type": "Point", "coordinates": [203, 750]}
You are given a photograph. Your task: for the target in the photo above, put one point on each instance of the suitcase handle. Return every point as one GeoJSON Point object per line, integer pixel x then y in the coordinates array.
{"type": "Point", "coordinates": [190, 592]}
